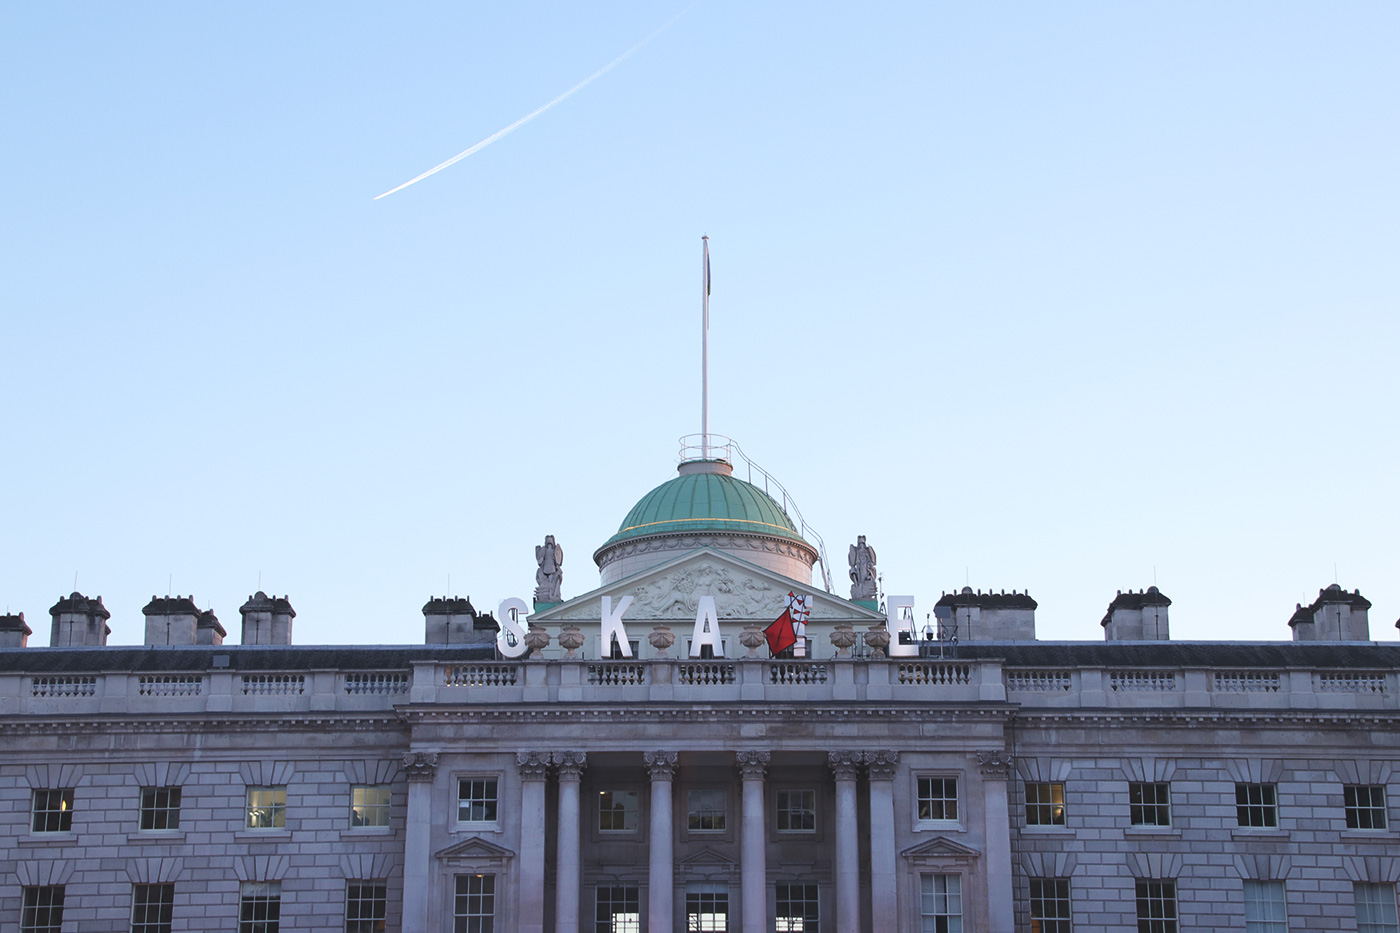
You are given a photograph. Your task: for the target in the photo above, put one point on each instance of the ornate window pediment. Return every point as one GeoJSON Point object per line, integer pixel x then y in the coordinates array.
{"type": "Point", "coordinates": [476, 851]}
{"type": "Point", "coordinates": [940, 849]}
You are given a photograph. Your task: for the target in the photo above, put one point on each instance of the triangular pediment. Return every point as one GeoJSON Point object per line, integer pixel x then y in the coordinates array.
{"type": "Point", "coordinates": [671, 592]}
{"type": "Point", "coordinates": [940, 847]}
{"type": "Point", "coordinates": [709, 857]}
{"type": "Point", "coordinates": [476, 849]}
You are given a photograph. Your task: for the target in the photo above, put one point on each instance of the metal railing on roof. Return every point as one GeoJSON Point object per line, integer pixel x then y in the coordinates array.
{"type": "Point", "coordinates": [719, 447]}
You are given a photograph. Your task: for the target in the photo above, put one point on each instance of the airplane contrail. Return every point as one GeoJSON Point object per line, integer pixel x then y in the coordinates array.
{"type": "Point", "coordinates": [530, 116]}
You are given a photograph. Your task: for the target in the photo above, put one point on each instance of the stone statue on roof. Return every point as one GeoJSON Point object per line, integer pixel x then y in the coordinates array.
{"type": "Point", "coordinates": [550, 575]}
{"type": "Point", "coordinates": [862, 559]}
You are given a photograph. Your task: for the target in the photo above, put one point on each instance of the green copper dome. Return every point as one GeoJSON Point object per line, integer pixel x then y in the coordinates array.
{"type": "Point", "coordinates": [705, 499]}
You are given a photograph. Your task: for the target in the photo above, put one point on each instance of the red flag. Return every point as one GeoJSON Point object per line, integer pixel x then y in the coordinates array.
{"type": "Point", "coordinates": [780, 634]}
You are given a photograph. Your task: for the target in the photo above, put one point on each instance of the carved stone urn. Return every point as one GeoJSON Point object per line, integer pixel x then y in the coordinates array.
{"type": "Point", "coordinates": [661, 638]}
{"type": "Point", "coordinates": [878, 638]}
{"type": "Point", "coordinates": [537, 638]}
{"type": "Point", "coordinates": [843, 636]}
{"type": "Point", "coordinates": [751, 637]}
{"type": "Point", "coordinates": [570, 639]}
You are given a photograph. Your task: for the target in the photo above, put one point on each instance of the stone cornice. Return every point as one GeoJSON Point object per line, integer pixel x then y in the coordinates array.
{"type": "Point", "coordinates": [685, 712]}
{"type": "Point", "coordinates": [210, 725]}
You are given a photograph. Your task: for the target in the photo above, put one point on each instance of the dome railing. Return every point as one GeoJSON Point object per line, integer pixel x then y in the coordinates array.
{"type": "Point", "coordinates": [719, 447]}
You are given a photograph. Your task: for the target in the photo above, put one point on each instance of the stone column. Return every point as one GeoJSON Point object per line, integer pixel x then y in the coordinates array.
{"type": "Point", "coordinates": [846, 765]}
{"type": "Point", "coordinates": [534, 769]}
{"type": "Point", "coordinates": [570, 765]}
{"type": "Point", "coordinates": [753, 864]}
{"type": "Point", "coordinates": [661, 878]}
{"type": "Point", "coordinates": [884, 894]}
{"type": "Point", "coordinates": [420, 768]}
{"type": "Point", "coordinates": [996, 769]}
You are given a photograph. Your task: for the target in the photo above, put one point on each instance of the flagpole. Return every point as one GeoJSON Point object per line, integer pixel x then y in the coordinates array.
{"type": "Point", "coordinates": [705, 352]}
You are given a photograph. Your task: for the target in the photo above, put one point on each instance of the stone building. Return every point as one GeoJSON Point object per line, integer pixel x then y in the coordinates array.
{"type": "Point", "coordinates": [521, 771]}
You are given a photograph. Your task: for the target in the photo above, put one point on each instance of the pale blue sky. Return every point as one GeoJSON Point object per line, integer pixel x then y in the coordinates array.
{"type": "Point", "coordinates": [1034, 295]}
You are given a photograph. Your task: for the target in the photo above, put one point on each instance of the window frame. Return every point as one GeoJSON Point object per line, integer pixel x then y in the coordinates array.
{"type": "Point", "coordinates": [159, 805]}
{"type": "Point", "coordinates": [779, 811]}
{"type": "Point", "coordinates": [356, 901]}
{"type": "Point", "coordinates": [384, 812]}
{"type": "Point", "coordinates": [41, 902]}
{"type": "Point", "coordinates": [631, 896]}
{"type": "Point", "coordinates": [1051, 892]}
{"type": "Point", "coordinates": [919, 799]}
{"type": "Point", "coordinates": [263, 900]}
{"type": "Point", "coordinates": [1044, 812]}
{"type": "Point", "coordinates": [1256, 806]}
{"type": "Point", "coordinates": [489, 897]}
{"type": "Point", "coordinates": [928, 879]}
{"type": "Point", "coordinates": [1354, 809]}
{"type": "Point", "coordinates": [691, 810]}
{"type": "Point", "coordinates": [1383, 896]}
{"type": "Point", "coordinates": [275, 809]}
{"type": "Point", "coordinates": [1160, 806]}
{"type": "Point", "coordinates": [1148, 892]}
{"type": "Point", "coordinates": [800, 896]}
{"type": "Point", "coordinates": [57, 808]}
{"type": "Point", "coordinates": [493, 801]}
{"type": "Point", "coordinates": [1272, 896]}
{"type": "Point", "coordinates": [142, 904]}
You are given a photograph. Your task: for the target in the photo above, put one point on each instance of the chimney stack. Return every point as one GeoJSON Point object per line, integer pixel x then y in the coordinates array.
{"type": "Point", "coordinates": [170, 620]}
{"type": "Point", "coordinates": [267, 620]}
{"type": "Point", "coordinates": [13, 632]}
{"type": "Point", "coordinates": [1335, 615]}
{"type": "Point", "coordinates": [454, 621]}
{"type": "Point", "coordinates": [1140, 616]}
{"type": "Point", "coordinates": [79, 622]}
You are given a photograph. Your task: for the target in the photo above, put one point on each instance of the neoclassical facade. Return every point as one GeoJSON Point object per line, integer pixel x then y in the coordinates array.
{"type": "Point", "coordinates": [679, 778]}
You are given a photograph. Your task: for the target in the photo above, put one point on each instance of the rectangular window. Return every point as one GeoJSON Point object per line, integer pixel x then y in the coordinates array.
{"type": "Point", "coordinates": [476, 800]}
{"type": "Point", "coordinates": [1365, 806]}
{"type": "Point", "coordinates": [267, 807]}
{"type": "Point", "coordinates": [260, 907]}
{"type": "Point", "coordinates": [940, 903]}
{"type": "Point", "coordinates": [1156, 906]}
{"type": "Point", "coordinates": [797, 811]}
{"type": "Point", "coordinates": [474, 907]}
{"type": "Point", "coordinates": [797, 909]}
{"type": "Point", "coordinates": [1265, 909]}
{"type": "Point", "coordinates": [618, 909]}
{"type": "Point", "coordinates": [366, 906]}
{"type": "Point", "coordinates": [1149, 804]}
{"type": "Point", "coordinates": [938, 798]}
{"type": "Point", "coordinates": [41, 909]}
{"type": "Point", "coordinates": [706, 907]}
{"type": "Point", "coordinates": [160, 808]}
{"type": "Point", "coordinates": [1045, 804]}
{"type": "Point", "coordinates": [1256, 805]}
{"type": "Point", "coordinates": [369, 805]}
{"type": "Point", "coordinates": [1375, 908]}
{"type": "Point", "coordinates": [705, 811]}
{"type": "Point", "coordinates": [617, 811]}
{"type": "Point", "coordinates": [53, 811]}
{"type": "Point", "coordinates": [152, 908]}
{"type": "Point", "coordinates": [1050, 905]}
{"type": "Point", "coordinates": [615, 648]}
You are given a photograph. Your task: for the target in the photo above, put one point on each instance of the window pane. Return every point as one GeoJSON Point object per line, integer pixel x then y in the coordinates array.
{"type": "Point", "coordinates": [160, 808]}
{"type": "Point", "coordinates": [1365, 806]}
{"type": "Point", "coordinates": [267, 807]}
{"type": "Point", "coordinates": [1156, 906]}
{"type": "Point", "coordinates": [41, 909]}
{"type": "Point", "coordinates": [618, 909]}
{"type": "Point", "coordinates": [617, 811]}
{"type": "Point", "coordinates": [53, 811]}
{"type": "Point", "coordinates": [938, 798]}
{"type": "Point", "coordinates": [1264, 907]}
{"type": "Point", "coordinates": [366, 906]}
{"type": "Point", "coordinates": [705, 811]}
{"type": "Point", "coordinates": [797, 811]}
{"type": "Point", "coordinates": [1050, 912]}
{"type": "Point", "coordinates": [1255, 805]}
{"type": "Point", "coordinates": [1149, 804]}
{"type": "Point", "coordinates": [474, 907]}
{"type": "Point", "coordinates": [1045, 804]}
{"type": "Point", "coordinates": [152, 908]}
{"type": "Point", "coordinates": [706, 907]}
{"type": "Point", "coordinates": [940, 903]}
{"type": "Point", "coordinates": [1375, 908]}
{"type": "Point", "coordinates": [369, 805]}
{"type": "Point", "coordinates": [260, 907]}
{"type": "Point", "coordinates": [797, 910]}
{"type": "Point", "coordinates": [476, 800]}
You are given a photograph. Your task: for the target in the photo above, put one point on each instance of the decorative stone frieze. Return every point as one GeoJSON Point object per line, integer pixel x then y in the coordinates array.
{"type": "Point", "coordinates": [569, 764]}
{"type": "Point", "coordinates": [752, 764]}
{"type": "Point", "coordinates": [661, 766]}
{"type": "Point", "coordinates": [534, 766]}
{"type": "Point", "coordinates": [845, 765]}
{"type": "Point", "coordinates": [881, 764]}
{"type": "Point", "coordinates": [995, 764]}
{"type": "Point", "coordinates": [420, 766]}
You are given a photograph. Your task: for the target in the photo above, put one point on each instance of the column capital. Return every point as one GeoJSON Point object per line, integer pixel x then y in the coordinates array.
{"type": "Point", "coordinates": [534, 766]}
{"type": "Point", "coordinates": [881, 764]}
{"type": "Point", "coordinates": [845, 765]}
{"type": "Point", "coordinates": [420, 766]}
{"type": "Point", "coordinates": [995, 764]}
{"type": "Point", "coordinates": [660, 765]}
{"type": "Point", "coordinates": [752, 764]}
{"type": "Point", "coordinates": [570, 764]}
